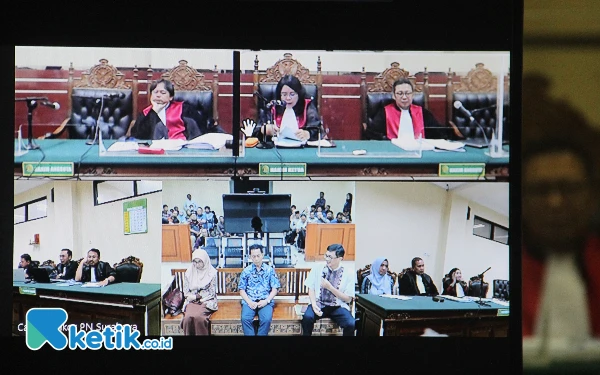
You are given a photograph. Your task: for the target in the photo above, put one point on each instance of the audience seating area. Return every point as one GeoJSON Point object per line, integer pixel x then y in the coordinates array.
{"type": "Point", "coordinates": [226, 321]}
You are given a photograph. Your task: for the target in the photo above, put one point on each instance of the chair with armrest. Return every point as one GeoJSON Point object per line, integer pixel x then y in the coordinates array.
{"type": "Point", "coordinates": [48, 265]}
{"type": "Point", "coordinates": [501, 289]}
{"type": "Point", "coordinates": [265, 82]}
{"type": "Point", "coordinates": [477, 91]}
{"type": "Point", "coordinates": [192, 87]}
{"type": "Point", "coordinates": [378, 93]}
{"type": "Point", "coordinates": [128, 270]}
{"type": "Point", "coordinates": [103, 89]}
{"type": "Point", "coordinates": [475, 288]}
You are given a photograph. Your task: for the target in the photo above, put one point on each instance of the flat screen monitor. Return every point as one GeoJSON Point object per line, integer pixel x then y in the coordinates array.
{"type": "Point", "coordinates": [268, 213]}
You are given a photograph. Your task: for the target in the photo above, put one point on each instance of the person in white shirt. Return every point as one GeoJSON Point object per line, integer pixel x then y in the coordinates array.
{"type": "Point", "coordinates": [331, 289]}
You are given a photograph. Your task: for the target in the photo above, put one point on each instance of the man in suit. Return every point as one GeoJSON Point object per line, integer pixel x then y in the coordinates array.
{"type": "Point", "coordinates": [26, 264]}
{"type": "Point", "coordinates": [94, 270]}
{"type": "Point", "coordinates": [415, 282]}
{"type": "Point", "coordinates": [67, 267]}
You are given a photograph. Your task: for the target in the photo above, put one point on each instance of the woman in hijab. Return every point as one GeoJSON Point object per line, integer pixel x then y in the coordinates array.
{"type": "Point", "coordinates": [378, 282]}
{"type": "Point", "coordinates": [199, 290]}
{"type": "Point", "coordinates": [454, 285]}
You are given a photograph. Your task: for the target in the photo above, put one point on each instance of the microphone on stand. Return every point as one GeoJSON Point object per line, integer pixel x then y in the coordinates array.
{"type": "Point", "coordinates": [54, 105]}
{"type": "Point", "coordinates": [275, 103]}
{"type": "Point", "coordinates": [458, 105]}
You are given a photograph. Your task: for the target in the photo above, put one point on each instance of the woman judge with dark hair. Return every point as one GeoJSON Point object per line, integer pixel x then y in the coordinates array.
{"type": "Point", "coordinates": [166, 118]}
{"type": "Point", "coordinates": [454, 285]}
{"type": "Point", "coordinates": [297, 112]}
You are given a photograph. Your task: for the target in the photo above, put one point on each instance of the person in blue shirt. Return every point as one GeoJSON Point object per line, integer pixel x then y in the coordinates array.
{"type": "Point", "coordinates": [258, 286]}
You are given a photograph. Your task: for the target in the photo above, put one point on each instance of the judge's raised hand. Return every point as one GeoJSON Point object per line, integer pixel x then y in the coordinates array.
{"type": "Point", "coordinates": [249, 126]}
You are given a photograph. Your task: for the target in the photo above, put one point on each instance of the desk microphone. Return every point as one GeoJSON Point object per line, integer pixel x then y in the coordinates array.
{"type": "Point", "coordinates": [54, 105]}
{"type": "Point", "coordinates": [458, 105]}
{"type": "Point", "coordinates": [119, 95]}
{"type": "Point", "coordinates": [274, 103]}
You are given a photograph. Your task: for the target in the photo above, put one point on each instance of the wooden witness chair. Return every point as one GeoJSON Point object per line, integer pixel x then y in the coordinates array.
{"type": "Point", "coordinates": [477, 90]}
{"type": "Point", "coordinates": [378, 93]}
{"type": "Point", "coordinates": [265, 82]}
{"type": "Point", "coordinates": [86, 93]}
{"type": "Point", "coordinates": [191, 86]}
{"type": "Point", "coordinates": [227, 320]}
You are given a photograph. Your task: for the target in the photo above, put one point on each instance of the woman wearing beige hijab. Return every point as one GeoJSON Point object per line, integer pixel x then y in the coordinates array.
{"type": "Point", "coordinates": [199, 290]}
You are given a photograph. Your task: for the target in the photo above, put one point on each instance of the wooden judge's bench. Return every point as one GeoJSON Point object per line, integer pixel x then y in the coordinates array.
{"type": "Point", "coordinates": [319, 236]}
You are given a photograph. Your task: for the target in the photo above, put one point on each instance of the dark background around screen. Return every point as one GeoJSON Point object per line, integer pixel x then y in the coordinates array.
{"type": "Point", "coordinates": [459, 25]}
{"type": "Point", "coordinates": [273, 210]}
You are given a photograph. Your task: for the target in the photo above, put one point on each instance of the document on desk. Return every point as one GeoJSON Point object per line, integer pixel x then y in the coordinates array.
{"type": "Point", "coordinates": [168, 144]}
{"type": "Point", "coordinates": [411, 144]}
{"type": "Point", "coordinates": [286, 142]}
{"type": "Point", "coordinates": [395, 296]}
{"type": "Point", "coordinates": [92, 285]}
{"type": "Point", "coordinates": [123, 146]}
{"type": "Point", "coordinates": [209, 141]}
{"type": "Point", "coordinates": [457, 299]}
{"type": "Point", "coordinates": [288, 132]}
{"type": "Point", "coordinates": [442, 144]}
{"type": "Point", "coordinates": [501, 302]}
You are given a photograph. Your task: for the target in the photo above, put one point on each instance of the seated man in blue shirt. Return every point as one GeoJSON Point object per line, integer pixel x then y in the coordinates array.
{"type": "Point", "coordinates": [258, 286]}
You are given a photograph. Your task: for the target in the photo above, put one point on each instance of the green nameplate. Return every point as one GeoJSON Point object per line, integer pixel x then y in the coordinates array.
{"type": "Point", "coordinates": [461, 170]}
{"type": "Point", "coordinates": [48, 169]}
{"type": "Point", "coordinates": [27, 290]}
{"type": "Point", "coordinates": [503, 312]}
{"type": "Point", "coordinates": [282, 169]}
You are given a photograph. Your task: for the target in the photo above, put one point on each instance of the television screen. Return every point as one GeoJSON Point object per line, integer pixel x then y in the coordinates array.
{"type": "Point", "coordinates": [267, 213]}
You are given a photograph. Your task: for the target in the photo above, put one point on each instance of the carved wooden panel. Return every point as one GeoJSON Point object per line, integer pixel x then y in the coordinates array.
{"type": "Point", "coordinates": [285, 66]}
{"type": "Point", "coordinates": [102, 75]}
{"type": "Point", "coordinates": [384, 81]}
{"type": "Point", "coordinates": [479, 79]}
{"type": "Point", "coordinates": [186, 78]}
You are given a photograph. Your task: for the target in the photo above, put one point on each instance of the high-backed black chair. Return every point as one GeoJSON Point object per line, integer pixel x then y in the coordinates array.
{"type": "Point", "coordinates": [475, 288]}
{"type": "Point", "coordinates": [378, 93]}
{"type": "Point", "coordinates": [129, 270]}
{"type": "Point", "coordinates": [102, 97]}
{"type": "Point", "coordinates": [477, 91]}
{"type": "Point", "coordinates": [192, 87]}
{"type": "Point", "coordinates": [265, 82]}
{"type": "Point", "coordinates": [501, 289]}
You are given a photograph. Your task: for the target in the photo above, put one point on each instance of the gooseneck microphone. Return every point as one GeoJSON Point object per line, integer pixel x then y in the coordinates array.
{"type": "Point", "coordinates": [274, 103]}
{"type": "Point", "coordinates": [458, 105]}
{"type": "Point", "coordinates": [55, 106]}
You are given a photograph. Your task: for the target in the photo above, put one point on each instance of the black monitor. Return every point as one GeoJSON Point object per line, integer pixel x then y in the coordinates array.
{"type": "Point", "coordinates": [268, 213]}
{"type": "Point", "coordinates": [39, 275]}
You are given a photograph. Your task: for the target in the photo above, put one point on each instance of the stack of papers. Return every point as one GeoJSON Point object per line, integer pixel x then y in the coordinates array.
{"type": "Point", "coordinates": [411, 144]}
{"type": "Point", "coordinates": [208, 141]}
{"type": "Point", "coordinates": [322, 143]}
{"type": "Point", "coordinates": [501, 302]}
{"type": "Point", "coordinates": [123, 146]}
{"type": "Point", "coordinates": [457, 299]}
{"type": "Point", "coordinates": [287, 142]}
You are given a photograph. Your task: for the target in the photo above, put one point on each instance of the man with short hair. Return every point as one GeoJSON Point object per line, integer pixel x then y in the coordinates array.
{"type": "Point", "coordinates": [26, 264]}
{"type": "Point", "coordinates": [402, 118]}
{"type": "Point", "coordinates": [66, 269]}
{"type": "Point", "coordinates": [258, 286]}
{"type": "Point", "coordinates": [331, 289]}
{"type": "Point", "coordinates": [94, 270]}
{"type": "Point", "coordinates": [415, 282]}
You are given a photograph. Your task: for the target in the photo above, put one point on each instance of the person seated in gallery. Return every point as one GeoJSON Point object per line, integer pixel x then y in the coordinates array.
{"type": "Point", "coordinates": [65, 270]}
{"type": "Point", "coordinates": [454, 285]}
{"type": "Point", "coordinates": [402, 118]}
{"type": "Point", "coordinates": [378, 282]}
{"type": "Point", "coordinates": [297, 112]}
{"type": "Point", "coordinates": [166, 118]}
{"type": "Point", "coordinates": [94, 270]}
{"type": "Point", "coordinates": [200, 292]}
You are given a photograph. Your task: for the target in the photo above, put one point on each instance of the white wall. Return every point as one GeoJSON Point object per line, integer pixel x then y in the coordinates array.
{"type": "Point", "coordinates": [74, 222]}
{"type": "Point", "coordinates": [36, 57]}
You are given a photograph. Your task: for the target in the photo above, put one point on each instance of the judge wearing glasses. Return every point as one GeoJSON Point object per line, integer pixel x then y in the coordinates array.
{"type": "Point", "coordinates": [402, 118]}
{"type": "Point", "coordinates": [331, 289]}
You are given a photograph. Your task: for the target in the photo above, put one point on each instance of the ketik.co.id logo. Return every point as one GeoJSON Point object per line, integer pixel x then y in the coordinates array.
{"type": "Point", "coordinates": [45, 325]}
